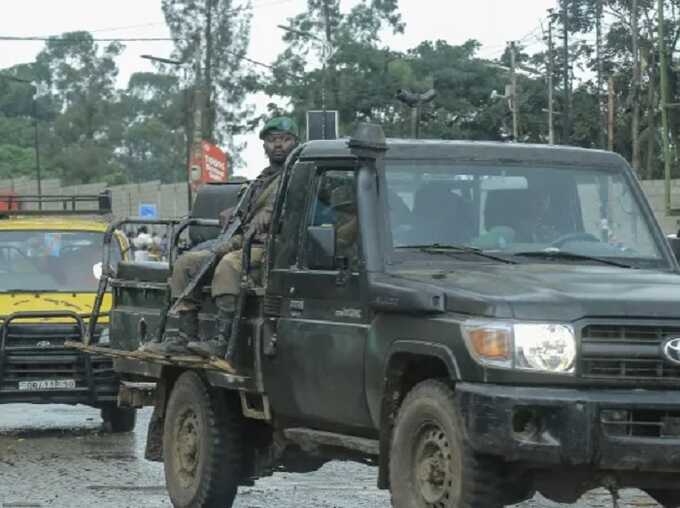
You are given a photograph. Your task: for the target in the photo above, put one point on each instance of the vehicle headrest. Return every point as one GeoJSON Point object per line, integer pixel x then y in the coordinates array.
{"type": "Point", "coordinates": [507, 207]}
{"type": "Point", "coordinates": [211, 200]}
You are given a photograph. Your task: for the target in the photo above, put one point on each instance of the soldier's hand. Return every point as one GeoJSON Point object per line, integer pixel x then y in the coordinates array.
{"type": "Point", "coordinates": [225, 246]}
{"type": "Point", "coordinates": [261, 222]}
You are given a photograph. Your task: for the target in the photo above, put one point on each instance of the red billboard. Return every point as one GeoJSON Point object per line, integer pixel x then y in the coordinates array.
{"type": "Point", "coordinates": [8, 201]}
{"type": "Point", "coordinates": [208, 164]}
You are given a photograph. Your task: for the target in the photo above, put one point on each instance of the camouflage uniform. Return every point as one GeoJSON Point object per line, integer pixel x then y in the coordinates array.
{"type": "Point", "coordinates": [280, 136]}
{"type": "Point", "coordinates": [227, 275]}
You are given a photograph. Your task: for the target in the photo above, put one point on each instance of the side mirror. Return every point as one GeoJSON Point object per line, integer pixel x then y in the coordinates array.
{"type": "Point", "coordinates": [321, 247]}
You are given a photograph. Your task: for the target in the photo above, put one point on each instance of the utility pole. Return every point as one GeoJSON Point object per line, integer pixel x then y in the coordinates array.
{"type": "Point", "coordinates": [611, 115]}
{"type": "Point", "coordinates": [635, 90]}
{"type": "Point", "coordinates": [566, 71]}
{"type": "Point", "coordinates": [36, 144]}
{"type": "Point", "coordinates": [326, 58]}
{"type": "Point", "coordinates": [665, 101]}
{"type": "Point", "coordinates": [209, 116]}
{"type": "Point", "coordinates": [600, 73]}
{"type": "Point", "coordinates": [513, 93]}
{"type": "Point", "coordinates": [551, 70]}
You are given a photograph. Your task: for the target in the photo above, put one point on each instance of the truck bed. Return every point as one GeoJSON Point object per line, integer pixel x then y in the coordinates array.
{"type": "Point", "coordinates": [150, 365]}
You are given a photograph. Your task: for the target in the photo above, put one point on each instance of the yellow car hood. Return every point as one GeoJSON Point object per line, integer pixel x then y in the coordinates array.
{"type": "Point", "coordinates": [80, 303]}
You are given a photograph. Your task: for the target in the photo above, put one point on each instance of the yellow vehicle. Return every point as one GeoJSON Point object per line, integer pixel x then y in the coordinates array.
{"type": "Point", "coordinates": [50, 265]}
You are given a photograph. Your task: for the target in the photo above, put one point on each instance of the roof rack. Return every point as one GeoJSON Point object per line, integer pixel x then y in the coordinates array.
{"type": "Point", "coordinates": [32, 204]}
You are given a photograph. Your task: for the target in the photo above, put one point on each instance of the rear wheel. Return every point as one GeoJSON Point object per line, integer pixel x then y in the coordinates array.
{"type": "Point", "coordinates": [431, 466]}
{"type": "Point", "coordinates": [202, 445]}
{"type": "Point", "coordinates": [118, 419]}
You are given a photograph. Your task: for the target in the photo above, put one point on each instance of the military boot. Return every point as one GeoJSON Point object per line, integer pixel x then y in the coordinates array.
{"type": "Point", "coordinates": [181, 329]}
{"type": "Point", "coordinates": [217, 346]}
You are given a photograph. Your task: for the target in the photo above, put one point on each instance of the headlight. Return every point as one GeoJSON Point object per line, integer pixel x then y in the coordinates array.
{"type": "Point", "coordinates": [526, 346]}
{"type": "Point", "coordinates": [104, 338]}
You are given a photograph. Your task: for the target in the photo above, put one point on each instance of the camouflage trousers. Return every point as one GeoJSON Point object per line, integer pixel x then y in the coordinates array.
{"type": "Point", "coordinates": [226, 280]}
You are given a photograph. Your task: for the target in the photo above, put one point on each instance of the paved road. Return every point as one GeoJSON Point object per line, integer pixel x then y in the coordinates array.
{"type": "Point", "coordinates": [56, 456]}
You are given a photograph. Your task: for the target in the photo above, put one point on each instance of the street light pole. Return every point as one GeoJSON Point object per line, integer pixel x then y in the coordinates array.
{"type": "Point", "coordinates": [36, 137]}
{"type": "Point", "coordinates": [326, 53]}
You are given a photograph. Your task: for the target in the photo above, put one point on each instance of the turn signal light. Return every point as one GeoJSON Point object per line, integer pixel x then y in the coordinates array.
{"type": "Point", "coordinates": [491, 344]}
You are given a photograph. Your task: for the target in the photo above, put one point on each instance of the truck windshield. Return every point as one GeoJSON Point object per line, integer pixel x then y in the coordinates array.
{"type": "Point", "coordinates": [515, 211]}
{"type": "Point", "coordinates": [51, 260]}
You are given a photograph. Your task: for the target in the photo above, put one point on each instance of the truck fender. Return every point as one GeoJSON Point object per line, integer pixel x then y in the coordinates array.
{"type": "Point", "coordinates": [398, 381]}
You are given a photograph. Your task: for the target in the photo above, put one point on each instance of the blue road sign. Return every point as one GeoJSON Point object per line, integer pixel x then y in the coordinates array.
{"type": "Point", "coordinates": [148, 210]}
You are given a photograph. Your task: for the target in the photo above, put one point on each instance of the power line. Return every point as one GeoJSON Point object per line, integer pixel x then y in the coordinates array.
{"type": "Point", "coordinates": [14, 38]}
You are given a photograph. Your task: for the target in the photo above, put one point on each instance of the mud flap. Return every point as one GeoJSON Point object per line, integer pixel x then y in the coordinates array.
{"type": "Point", "coordinates": [154, 437]}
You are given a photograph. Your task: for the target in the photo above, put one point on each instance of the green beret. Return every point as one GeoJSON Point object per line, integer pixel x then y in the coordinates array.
{"type": "Point", "coordinates": [280, 124]}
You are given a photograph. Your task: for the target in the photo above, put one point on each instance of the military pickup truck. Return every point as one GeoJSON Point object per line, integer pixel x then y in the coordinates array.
{"type": "Point", "coordinates": [481, 321]}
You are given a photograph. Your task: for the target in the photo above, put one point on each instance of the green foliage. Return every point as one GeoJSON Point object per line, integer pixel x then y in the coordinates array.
{"type": "Point", "coordinates": [91, 131]}
{"type": "Point", "coordinates": [220, 68]}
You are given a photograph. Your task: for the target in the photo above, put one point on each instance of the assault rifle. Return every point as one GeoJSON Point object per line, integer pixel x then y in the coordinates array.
{"type": "Point", "coordinates": [232, 227]}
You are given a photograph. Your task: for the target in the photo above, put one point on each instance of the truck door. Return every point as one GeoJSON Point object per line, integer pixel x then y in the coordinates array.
{"type": "Point", "coordinates": [314, 371]}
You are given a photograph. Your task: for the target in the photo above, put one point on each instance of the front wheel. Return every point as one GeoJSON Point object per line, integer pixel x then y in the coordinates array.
{"type": "Point", "coordinates": [118, 419]}
{"type": "Point", "coordinates": [202, 445]}
{"type": "Point", "coordinates": [431, 466]}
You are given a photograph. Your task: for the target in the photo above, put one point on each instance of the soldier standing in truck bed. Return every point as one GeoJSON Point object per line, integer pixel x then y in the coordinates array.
{"type": "Point", "coordinates": [280, 136]}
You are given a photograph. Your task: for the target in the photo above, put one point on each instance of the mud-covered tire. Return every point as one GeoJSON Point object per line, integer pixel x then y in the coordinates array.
{"type": "Point", "coordinates": [666, 498]}
{"type": "Point", "coordinates": [202, 445]}
{"type": "Point", "coordinates": [431, 466]}
{"type": "Point", "coordinates": [118, 419]}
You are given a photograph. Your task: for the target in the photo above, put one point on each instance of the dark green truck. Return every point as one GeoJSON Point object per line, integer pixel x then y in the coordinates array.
{"type": "Point", "coordinates": [482, 321]}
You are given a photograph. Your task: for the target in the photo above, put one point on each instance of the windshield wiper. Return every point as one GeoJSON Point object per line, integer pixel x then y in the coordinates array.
{"type": "Point", "coordinates": [446, 249]}
{"type": "Point", "coordinates": [558, 254]}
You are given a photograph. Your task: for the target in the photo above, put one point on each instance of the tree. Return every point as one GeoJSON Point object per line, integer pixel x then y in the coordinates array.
{"type": "Point", "coordinates": [211, 37]}
{"type": "Point", "coordinates": [77, 80]}
{"type": "Point", "coordinates": [154, 113]}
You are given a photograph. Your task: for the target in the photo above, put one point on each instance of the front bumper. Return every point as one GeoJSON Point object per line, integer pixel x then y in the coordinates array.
{"type": "Point", "coordinates": [95, 381]}
{"type": "Point", "coordinates": [601, 429]}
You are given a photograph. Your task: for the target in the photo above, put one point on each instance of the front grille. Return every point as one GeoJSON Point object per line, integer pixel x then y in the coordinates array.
{"type": "Point", "coordinates": [640, 423]}
{"type": "Point", "coordinates": [623, 352]}
{"type": "Point", "coordinates": [40, 336]}
{"type": "Point", "coordinates": [35, 352]}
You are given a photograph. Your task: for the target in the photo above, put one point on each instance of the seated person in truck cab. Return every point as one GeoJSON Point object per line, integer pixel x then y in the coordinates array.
{"type": "Point", "coordinates": [280, 137]}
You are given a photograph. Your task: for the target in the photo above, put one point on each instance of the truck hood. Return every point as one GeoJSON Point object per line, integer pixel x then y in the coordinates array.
{"type": "Point", "coordinates": [79, 303]}
{"type": "Point", "coordinates": [550, 291]}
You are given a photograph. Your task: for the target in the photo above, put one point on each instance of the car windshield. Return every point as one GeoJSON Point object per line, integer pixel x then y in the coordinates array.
{"type": "Point", "coordinates": [67, 261]}
{"type": "Point", "coordinates": [552, 214]}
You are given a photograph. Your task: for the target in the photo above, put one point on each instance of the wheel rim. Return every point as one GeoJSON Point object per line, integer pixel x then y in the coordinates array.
{"type": "Point", "coordinates": [434, 467]}
{"type": "Point", "coordinates": [187, 447]}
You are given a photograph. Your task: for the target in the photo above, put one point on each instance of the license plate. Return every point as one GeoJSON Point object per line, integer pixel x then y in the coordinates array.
{"type": "Point", "coordinates": [47, 384]}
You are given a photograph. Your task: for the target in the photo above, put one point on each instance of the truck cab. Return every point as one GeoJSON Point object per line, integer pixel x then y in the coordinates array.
{"type": "Point", "coordinates": [480, 320]}
{"type": "Point", "coordinates": [50, 263]}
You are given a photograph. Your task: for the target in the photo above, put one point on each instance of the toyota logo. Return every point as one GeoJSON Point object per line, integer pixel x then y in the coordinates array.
{"type": "Point", "coordinates": [44, 344]}
{"type": "Point", "coordinates": [671, 350]}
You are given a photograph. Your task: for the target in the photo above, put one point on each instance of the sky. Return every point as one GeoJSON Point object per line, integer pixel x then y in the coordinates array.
{"type": "Point", "coordinates": [492, 22]}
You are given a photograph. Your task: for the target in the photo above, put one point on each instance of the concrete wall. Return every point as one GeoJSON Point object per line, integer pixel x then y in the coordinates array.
{"type": "Point", "coordinates": [170, 199]}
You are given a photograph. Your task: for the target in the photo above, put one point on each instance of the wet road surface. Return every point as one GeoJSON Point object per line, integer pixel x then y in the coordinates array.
{"type": "Point", "coordinates": [57, 456]}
